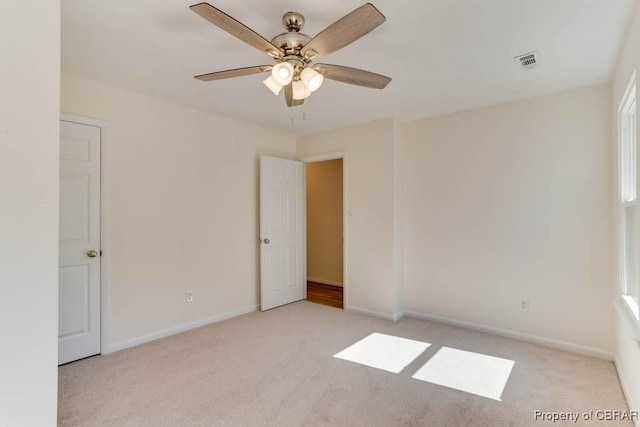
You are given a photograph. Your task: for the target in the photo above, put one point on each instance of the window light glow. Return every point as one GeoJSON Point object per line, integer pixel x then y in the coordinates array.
{"type": "Point", "coordinates": [628, 176]}
{"type": "Point", "coordinates": [385, 352]}
{"type": "Point", "coordinates": [467, 371]}
{"type": "Point", "coordinates": [628, 148]}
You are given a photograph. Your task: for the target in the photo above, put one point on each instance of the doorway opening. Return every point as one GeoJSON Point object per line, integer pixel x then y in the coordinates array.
{"type": "Point", "coordinates": [325, 231]}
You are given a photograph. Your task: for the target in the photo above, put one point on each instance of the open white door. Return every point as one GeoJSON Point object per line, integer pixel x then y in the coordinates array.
{"type": "Point", "coordinates": [79, 274]}
{"type": "Point", "coordinates": [282, 234]}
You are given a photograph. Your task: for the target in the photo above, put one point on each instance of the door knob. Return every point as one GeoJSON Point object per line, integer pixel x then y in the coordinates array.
{"type": "Point", "coordinates": [266, 241]}
{"type": "Point", "coordinates": [92, 253]}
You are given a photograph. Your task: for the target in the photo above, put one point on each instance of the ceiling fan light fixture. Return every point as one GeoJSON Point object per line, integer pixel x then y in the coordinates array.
{"type": "Point", "coordinates": [273, 86]}
{"type": "Point", "coordinates": [300, 90]}
{"type": "Point", "coordinates": [282, 73]}
{"type": "Point", "coordinates": [293, 51]}
{"type": "Point", "coordinates": [312, 79]}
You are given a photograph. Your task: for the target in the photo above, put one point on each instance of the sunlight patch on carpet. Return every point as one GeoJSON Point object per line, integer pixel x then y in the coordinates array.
{"type": "Point", "coordinates": [467, 371]}
{"type": "Point", "coordinates": [385, 352]}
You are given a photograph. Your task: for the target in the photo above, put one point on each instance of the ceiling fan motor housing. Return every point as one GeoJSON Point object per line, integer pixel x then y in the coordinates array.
{"type": "Point", "coordinates": [292, 41]}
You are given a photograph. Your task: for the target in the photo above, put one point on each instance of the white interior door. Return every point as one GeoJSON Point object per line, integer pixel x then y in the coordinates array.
{"type": "Point", "coordinates": [282, 242]}
{"type": "Point", "coordinates": [79, 273]}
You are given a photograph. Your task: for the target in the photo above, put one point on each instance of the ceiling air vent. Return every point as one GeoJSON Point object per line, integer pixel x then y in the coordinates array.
{"type": "Point", "coordinates": [528, 60]}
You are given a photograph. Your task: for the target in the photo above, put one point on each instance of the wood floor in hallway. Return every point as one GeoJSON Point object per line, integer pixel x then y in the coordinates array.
{"type": "Point", "coordinates": [325, 294]}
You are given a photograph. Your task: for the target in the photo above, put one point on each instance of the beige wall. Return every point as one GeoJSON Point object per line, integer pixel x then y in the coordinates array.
{"type": "Point", "coordinates": [324, 222]}
{"type": "Point", "coordinates": [182, 209]}
{"type": "Point", "coordinates": [29, 177]}
{"type": "Point", "coordinates": [398, 218]}
{"type": "Point", "coordinates": [627, 350]}
{"type": "Point", "coordinates": [370, 271]}
{"type": "Point", "coordinates": [512, 202]}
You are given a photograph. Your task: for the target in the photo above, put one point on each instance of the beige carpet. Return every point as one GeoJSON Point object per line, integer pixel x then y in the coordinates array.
{"type": "Point", "coordinates": [277, 369]}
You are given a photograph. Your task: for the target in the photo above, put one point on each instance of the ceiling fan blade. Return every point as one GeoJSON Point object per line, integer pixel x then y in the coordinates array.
{"type": "Point", "coordinates": [288, 96]}
{"type": "Point", "coordinates": [353, 76]}
{"type": "Point", "coordinates": [344, 31]}
{"type": "Point", "coordinates": [237, 72]}
{"type": "Point", "coordinates": [236, 28]}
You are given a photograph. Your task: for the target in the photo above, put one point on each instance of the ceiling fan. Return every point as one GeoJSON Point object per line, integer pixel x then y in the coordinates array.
{"type": "Point", "coordinates": [294, 52]}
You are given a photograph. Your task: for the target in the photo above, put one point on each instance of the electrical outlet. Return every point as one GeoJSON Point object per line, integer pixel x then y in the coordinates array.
{"type": "Point", "coordinates": [524, 305]}
{"type": "Point", "coordinates": [188, 296]}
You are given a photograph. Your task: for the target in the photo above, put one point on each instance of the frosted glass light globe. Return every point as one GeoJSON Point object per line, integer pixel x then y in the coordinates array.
{"type": "Point", "coordinates": [282, 73]}
{"type": "Point", "coordinates": [300, 91]}
{"type": "Point", "coordinates": [312, 79]}
{"type": "Point", "coordinates": [272, 85]}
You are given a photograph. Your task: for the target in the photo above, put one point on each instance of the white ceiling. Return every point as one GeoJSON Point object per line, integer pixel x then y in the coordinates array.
{"type": "Point", "coordinates": [443, 55]}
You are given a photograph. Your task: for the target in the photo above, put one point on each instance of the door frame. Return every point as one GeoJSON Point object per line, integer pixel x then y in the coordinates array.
{"type": "Point", "coordinates": [345, 223]}
{"type": "Point", "coordinates": [105, 243]}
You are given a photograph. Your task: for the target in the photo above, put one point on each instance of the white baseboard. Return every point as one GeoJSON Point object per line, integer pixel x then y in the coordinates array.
{"type": "Point", "coordinates": [397, 316]}
{"type": "Point", "coordinates": [324, 282]}
{"type": "Point", "coordinates": [626, 390]}
{"type": "Point", "coordinates": [178, 329]}
{"type": "Point", "coordinates": [548, 342]}
{"type": "Point", "coordinates": [378, 314]}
